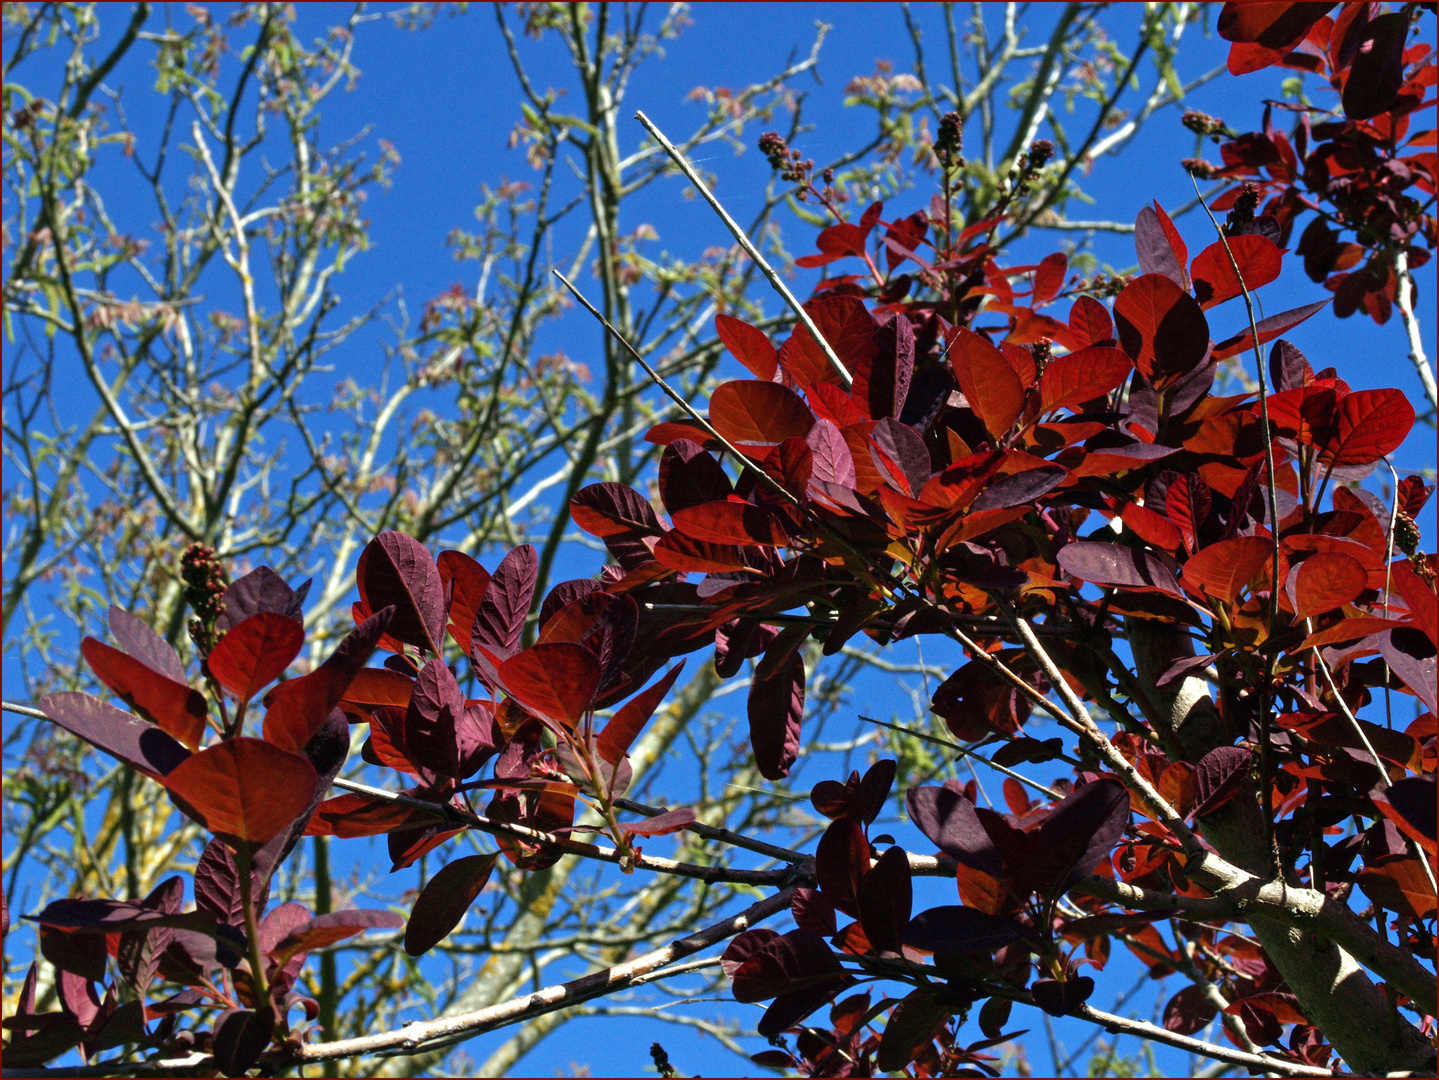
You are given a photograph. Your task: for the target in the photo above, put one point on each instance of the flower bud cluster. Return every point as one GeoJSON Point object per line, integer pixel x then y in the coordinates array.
{"type": "Point", "coordinates": [205, 580]}
{"type": "Point", "coordinates": [791, 168]}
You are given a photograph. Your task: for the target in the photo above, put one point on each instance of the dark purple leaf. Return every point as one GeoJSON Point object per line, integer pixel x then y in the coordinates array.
{"type": "Point", "coordinates": [841, 860]}
{"type": "Point", "coordinates": [875, 788]}
{"type": "Point", "coordinates": [881, 386]}
{"type": "Point", "coordinates": [1062, 998]}
{"type": "Point", "coordinates": [1156, 254]}
{"type": "Point", "coordinates": [671, 821]}
{"type": "Point", "coordinates": [1288, 367]}
{"type": "Point", "coordinates": [690, 476]}
{"type": "Point", "coordinates": [217, 885]}
{"type": "Point", "coordinates": [885, 898]}
{"type": "Point", "coordinates": [1021, 488]}
{"type": "Point", "coordinates": [1024, 749]}
{"type": "Point", "coordinates": [432, 721]}
{"type": "Point", "coordinates": [1410, 654]}
{"type": "Point", "coordinates": [1189, 1011]}
{"type": "Point", "coordinates": [258, 591]}
{"type": "Point", "coordinates": [444, 900]}
{"type": "Point", "coordinates": [1378, 70]}
{"type": "Point", "coordinates": [397, 570]}
{"type": "Point", "coordinates": [789, 1009]}
{"type": "Point", "coordinates": [900, 456]}
{"type": "Point", "coordinates": [1219, 775]}
{"type": "Point", "coordinates": [953, 929]}
{"type": "Point", "coordinates": [776, 706]}
{"type": "Point", "coordinates": [1079, 833]}
{"type": "Point", "coordinates": [120, 734]}
{"type": "Point", "coordinates": [564, 594]}
{"type": "Point", "coordinates": [117, 916]}
{"type": "Point", "coordinates": [949, 820]}
{"type": "Point", "coordinates": [501, 617]}
{"type": "Point", "coordinates": [1269, 329]}
{"type": "Point", "coordinates": [1413, 799]}
{"type": "Point", "coordinates": [140, 950]}
{"type": "Point", "coordinates": [324, 930]}
{"type": "Point", "coordinates": [82, 954]}
{"type": "Point", "coordinates": [1116, 565]}
{"type": "Point", "coordinates": [911, 1027]}
{"type": "Point", "coordinates": [783, 964]}
{"type": "Point", "coordinates": [812, 910]}
{"type": "Point", "coordinates": [134, 636]}
{"type": "Point", "coordinates": [241, 1036]}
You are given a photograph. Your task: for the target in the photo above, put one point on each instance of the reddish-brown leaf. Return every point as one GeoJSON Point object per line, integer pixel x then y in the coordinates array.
{"type": "Point", "coordinates": [464, 581]}
{"type": "Point", "coordinates": [1271, 25]}
{"type": "Point", "coordinates": [1325, 581]}
{"type": "Point", "coordinates": [631, 717]}
{"type": "Point", "coordinates": [987, 381]}
{"type": "Point", "coordinates": [758, 414]}
{"type": "Point", "coordinates": [1370, 424]}
{"type": "Point", "coordinates": [1049, 278]}
{"type": "Point", "coordinates": [255, 653]}
{"type": "Point", "coordinates": [849, 328]}
{"type": "Point", "coordinates": [1214, 281]}
{"type": "Point", "coordinates": [1221, 571]}
{"type": "Point", "coordinates": [1073, 379]}
{"type": "Point", "coordinates": [245, 790]}
{"type": "Point", "coordinates": [443, 901]}
{"type": "Point", "coordinates": [1161, 328]}
{"type": "Point", "coordinates": [1089, 321]}
{"type": "Point", "coordinates": [749, 345]}
{"type": "Point", "coordinates": [396, 570]}
{"type": "Point", "coordinates": [731, 523]}
{"type": "Point", "coordinates": [172, 706]}
{"type": "Point", "coordinates": [556, 680]}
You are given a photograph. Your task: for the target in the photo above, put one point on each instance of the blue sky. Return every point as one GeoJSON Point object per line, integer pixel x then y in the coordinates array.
{"type": "Point", "coordinates": [447, 100]}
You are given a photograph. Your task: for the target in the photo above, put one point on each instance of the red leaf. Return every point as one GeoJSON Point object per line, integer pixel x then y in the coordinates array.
{"type": "Point", "coordinates": [680, 552]}
{"type": "Point", "coordinates": [1089, 321]}
{"type": "Point", "coordinates": [556, 680]}
{"type": "Point", "coordinates": [749, 345]}
{"type": "Point", "coordinates": [1272, 25]}
{"type": "Point", "coordinates": [1214, 282]}
{"type": "Point", "coordinates": [1370, 424]}
{"type": "Point", "coordinates": [1325, 581]}
{"type": "Point", "coordinates": [1152, 528]}
{"type": "Point", "coordinates": [849, 328]}
{"type": "Point", "coordinates": [731, 523]}
{"type": "Point", "coordinates": [352, 816]}
{"type": "Point", "coordinates": [172, 706]}
{"type": "Point", "coordinates": [1073, 379]}
{"type": "Point", "coordinates": [1049, 278]}
{"type": "Point", "coordinates": [835, 242]}
{"type": "Point", "coordinates": [1221, 571]}
{"type": "Point", "coordinates": [298, 708]}
{"type": "Point", "coordinates": [1307, 413]}
{"type": "Point", "coordinates": [464, 581]}
{"type": "Point", "coordinates": [1161, 328]}
{"type": "Point", "coordinates": [255, 653]}
{"type": "Point", "coordinates": [987, 381]}
{"type": "Point", "coordinates": [1399, 885]}
{"type": "Point", "coordinates": [246, 791]}
{"type": "Point", "coordinates": [631, 717]}
{"type": "Point", "coordinates": [375, 688]}
{"type": "Point", "coordinates": [758, 414]}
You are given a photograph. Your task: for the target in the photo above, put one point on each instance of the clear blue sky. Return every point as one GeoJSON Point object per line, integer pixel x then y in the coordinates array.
{"type": "Point", "coordinates": [447, 100]}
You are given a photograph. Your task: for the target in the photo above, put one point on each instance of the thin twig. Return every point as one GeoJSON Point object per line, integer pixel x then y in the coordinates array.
{"type": "Point", "coordinates": [1411, 327]}
{"type": "Point", "coordinates": [749, 248]}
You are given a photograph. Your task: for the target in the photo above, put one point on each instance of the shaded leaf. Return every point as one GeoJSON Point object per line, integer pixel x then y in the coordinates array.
{"type": "Point", "coordinates": [501, 616]}
{"type": "Point", "coordinates": [949, 820]}
{"type": "Point", "coordinates": [1161, 328]}
{"type": "Point", "coordinates": [1062, 998]}
{"type": "Point", "coordinates": [1269, 329]}
{"type": "Point", "coordinates": [732, 523]}
{"type": "Point", "coordinates": [127, 737]}
{"type": "Point", "coordinates": [1116, 565]}
{"type": "Point", "coordinates": [775, 707]}
{"type": "Point", "coordinates": [241, 1036]}
{"type": "Point", "coordinates": [443, 901]}
{"type": "Point", "coordinates": [913, 1024]}
{"type": "Point", "coordinates": [956, 929]}
{"type": "Point", "coordinates": [1219, 775]}
{"type": "Point", "coordinates": [885, 897]}
{"type": "Point", "coordinates": [261, 590]}
{"type": "Point", "coordinates": [143, 644]}
{"type": "Point", "coordinates": [630, 718]}
{"type": "Point", "coordinates": [1378, 72]}
{"type": "Point", "coordinates": [1159, 248]}
{"type": "Point", "coordinates": [172, 706]}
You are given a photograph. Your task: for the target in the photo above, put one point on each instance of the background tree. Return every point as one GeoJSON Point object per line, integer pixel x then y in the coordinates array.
{"type": "Point", "coordinates": [472, 444]}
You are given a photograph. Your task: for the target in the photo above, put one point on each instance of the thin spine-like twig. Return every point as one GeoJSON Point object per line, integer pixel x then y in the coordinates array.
{"type": "Point", "coordinates": [1266, 433]}
{"type": "Point", "coordinates": [749, 249]}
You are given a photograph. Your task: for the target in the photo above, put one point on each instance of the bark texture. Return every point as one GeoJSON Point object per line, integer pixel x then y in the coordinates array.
{"type": "Point", "coordinates": [1334, 992]}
